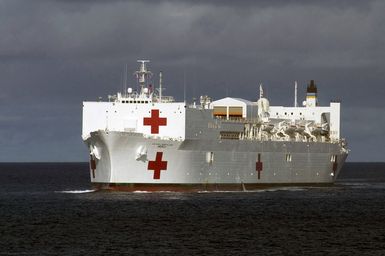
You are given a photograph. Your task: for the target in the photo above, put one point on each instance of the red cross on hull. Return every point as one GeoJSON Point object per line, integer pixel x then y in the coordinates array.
{"type": "Point", "coordinates": [157, 165]}
{"type": "Point", "coordinates": [259, 166]}
{"type": "Point", "coordinates": [155, 121]}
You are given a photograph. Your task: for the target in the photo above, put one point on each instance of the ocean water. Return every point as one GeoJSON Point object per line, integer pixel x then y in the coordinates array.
{"type": "Point", "coordinates": [51, 209]}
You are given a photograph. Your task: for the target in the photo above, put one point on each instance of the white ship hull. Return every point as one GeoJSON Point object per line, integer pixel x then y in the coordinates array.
{"type": "Point", "coordinates": [146, 141]}
{"type": "Point", "coordinates": [186, 165]}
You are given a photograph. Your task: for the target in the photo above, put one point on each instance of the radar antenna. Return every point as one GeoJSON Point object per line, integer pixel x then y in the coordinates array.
{"type": "Point", "coordinates": [142, 74]}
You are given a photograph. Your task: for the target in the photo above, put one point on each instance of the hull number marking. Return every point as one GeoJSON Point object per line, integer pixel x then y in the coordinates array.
{"type": "Point", "coordinates": [155, 121]}
{"type": "Point", "coordinates": [157, 165]}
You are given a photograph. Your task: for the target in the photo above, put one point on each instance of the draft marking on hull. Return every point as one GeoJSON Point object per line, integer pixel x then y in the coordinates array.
{"type": "Point", "coordinates": [259, 166]}
{"type": "Point", "coordinates": [335, 166]}
{"type": "Point", "coordinates": [92, 166]}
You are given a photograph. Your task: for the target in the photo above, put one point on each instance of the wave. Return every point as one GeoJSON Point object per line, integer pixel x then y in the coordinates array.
{"type": "Point", "coordinates": [257, 190]}
{"type": "Point", "coordinates": [363, 184]}
{"type": "Point", "coordinates": [76, 191]}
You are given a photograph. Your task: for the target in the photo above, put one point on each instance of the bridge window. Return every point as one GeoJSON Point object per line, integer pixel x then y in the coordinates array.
{"type": "Point", "coordinates": [220, 111]}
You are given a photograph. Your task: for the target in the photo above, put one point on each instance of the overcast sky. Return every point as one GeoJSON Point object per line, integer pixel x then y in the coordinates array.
{"type": "Point", "coordinates": [55, 54]}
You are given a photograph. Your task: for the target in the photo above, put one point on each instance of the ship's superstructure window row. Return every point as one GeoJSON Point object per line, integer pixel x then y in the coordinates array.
{"type": "Point", "coordinates": [135, 101]}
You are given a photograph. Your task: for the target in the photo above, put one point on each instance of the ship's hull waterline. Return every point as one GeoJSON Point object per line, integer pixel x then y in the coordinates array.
{"type": "Point", "coordinates": [130, 162]}
{"type": "Point", "coordinates": [141, 140]}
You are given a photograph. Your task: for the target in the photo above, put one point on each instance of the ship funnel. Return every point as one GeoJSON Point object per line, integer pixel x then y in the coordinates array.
{"type": "Point", "coordinates": [311, 94]}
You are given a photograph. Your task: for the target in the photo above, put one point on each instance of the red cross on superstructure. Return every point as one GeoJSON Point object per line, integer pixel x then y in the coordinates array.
{"type": "Point", "coordinates": [259, 166]}
{"type": "Point", "coordinates": [157, 165]}
{"type": "Point", "coordinates": [155, 121]}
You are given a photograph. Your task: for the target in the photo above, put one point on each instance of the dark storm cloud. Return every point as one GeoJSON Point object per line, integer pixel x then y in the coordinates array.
{"type": "Point", "coordinates": [238, 3]}
{"type": "Point", "coordinates": [54, 54]}
{"type": "Point", "coordinates": [91, 27]}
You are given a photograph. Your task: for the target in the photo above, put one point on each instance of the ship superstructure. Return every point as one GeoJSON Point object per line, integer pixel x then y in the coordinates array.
{"type": "Point", "coordinates": [146, 141]}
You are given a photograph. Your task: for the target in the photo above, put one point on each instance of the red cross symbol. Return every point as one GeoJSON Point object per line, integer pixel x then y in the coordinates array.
{"type": "Point", "coordinates": [259, 166]}
{"type": "Point", "coordinates": [155, 121]}
{"type": "Point", "coordinates": [157, 165]}
{"type": "Point", "coordinates": [92, 166]}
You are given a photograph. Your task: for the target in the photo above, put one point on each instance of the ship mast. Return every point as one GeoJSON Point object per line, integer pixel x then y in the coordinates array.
{"type": "Point", "coordinates": [160, 86]}
{"type": "Point", "coordinates": [295, 95]}
{"type": "Point", "coordinates": [142, 74]}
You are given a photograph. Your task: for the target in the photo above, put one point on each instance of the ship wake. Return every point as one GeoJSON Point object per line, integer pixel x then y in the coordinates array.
{"type": "Point", "coordinates": [76, 191]}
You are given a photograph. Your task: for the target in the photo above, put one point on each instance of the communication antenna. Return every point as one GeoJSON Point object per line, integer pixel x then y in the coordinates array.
{"type": "Point", "coordinates": [295, 94]}
{"type": "Point", "coordinates": [125, 79]}
{"type": "Point", "coordinates": [160, 86]}
{"type": "Point", "coordinates": [184, 86]}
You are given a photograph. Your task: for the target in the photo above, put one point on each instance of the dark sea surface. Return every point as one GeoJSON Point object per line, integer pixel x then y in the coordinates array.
{"type": "Point", "coordinates": [51, 209]}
